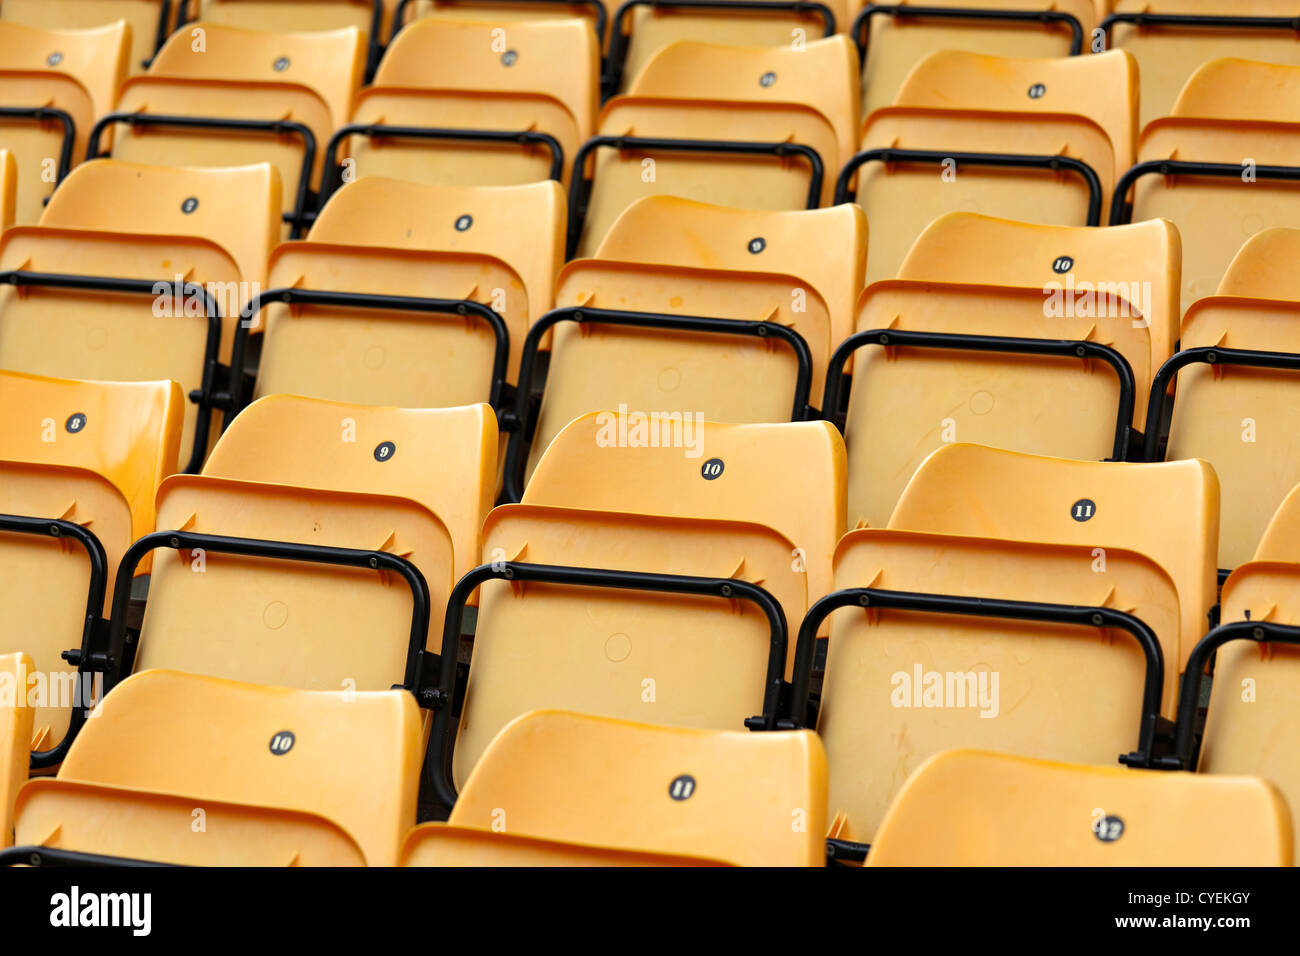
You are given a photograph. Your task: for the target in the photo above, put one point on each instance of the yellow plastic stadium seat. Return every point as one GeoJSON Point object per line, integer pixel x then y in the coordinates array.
{"type": "Point", "coordinates": [1169, 53]}
{"type": "Point", "coordinates": [1140, 264]}
{"type": "Point", "coordinates": [15, 732]}
{"type": "Point", "coordinates": [970, 808]}
{"type": "Point", "coordinates": [894, 43]}
{"type": "Point", "coordinates": [1101, 87]}
{"type": "Point", "coordinates": [8, 189]}
{"type": "Point", "coordinates": [283, 777]}
{"type": "Point", "coordinates": [643, 30]}
{"type": "Point", "coordinates": [666, 230]}
{"type": "Point", "coordinates": [490, 80]}
{"type": "Point", "coordinates": [1217, 211]}
{"type": "Point", "coordinates": [74, 71]}
{"type": "Point", "coordinates": [754, 799]}
{"type": "Point", "coordinates": [285, 16]}
{"type": "Point", "coordinates": [89, 333]}
{"type": "Point", "coordinates": [770, 165]}
{"type": "Point", "coordinates": [1254, 273]}
{"type": "Point", "coordinates": [1241, 420]}
{"type": "Point", "coordinates": [914, 396]}
{"type": "Point", "coordinates": [444, 459]}
{"type": "Point", "coordinates": [84, 458]}
{"type": "Point", "coordinates": [1168, 511]}
{"type": "Point", "coordinates": [332, 63]}
{"type": "Point", "coordinates": [1232, 88]}
{"type": "Point", "coordinates": [358, 352]}
{"type": "Point", "coordinates": [144, 18]}
{"type": "Point", "coordinates": [443, 845]}
{"type": "Point", "coordinates": [760, 465]}
{"type": "Point", "coordinates": [680, 659]}
{"type": "Point", "coordinates": [125, 432]}
{"type": "Point", "coordinates": [292, 621]}
{"type": "Point", "coordinates": [484, 220]}
{"type": "Point", "coordinates": [1278, 542]}
{"type": "Point", "coordinates": [821, 74]}
{"type": "Point", "coordinates": [1251, 724]}
{"type": "Point", "coordinates": [504, 12]}
{"type": "Point", "coordinates": [895, 186]}
{"type": "Point", "coordinates": [928, 681]}
{"type": "Point", "coordinates": [237, 208]}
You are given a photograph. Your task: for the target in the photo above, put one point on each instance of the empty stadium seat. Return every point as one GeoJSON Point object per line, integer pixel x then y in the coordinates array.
{"type": "Point", "coordinates": [15, 734]}
{"type": "Point", "coordinates": [668, 231]}
{"type": "Point", "coordinates": [968, 808]}
{"type": "Point", "coordinates": [150, 21]}
{"type": "Point", "coordinates": [639, 30]}
{"type": "Point", "coordinates": [272, 584]}
{"type": "Point", "coordinates": [937, 362]}
{"type": "Point", "coordinates": [743, 473]}
{"type": "Point", "coordinates": [1169, 45]}
{"type": "Point", "coordinates": [821, 74]}
{"type": "Point", "coordinates": [284, 16]}
{"type": "Point", "coordinates": [617, 614]}
{"type": "Point", "coordinates": [751, 154]}
{"type": "Point", "coordinates": [79, 464]}
{"type": "Point", "coordinates": [1254, 273]}
{"type": "Point", "coordinates": [399, 14]}
{"type": "Point", "coordinates": [1001, 145]}
{"type": "Point", "coordinates": [444, 458]}
{"type": "Point", "coordinates": [970, 663]}
{"type": "Point", "coordinates": [53, 86]}
{"type": "Point", "coordinates": [237, 208]}
{"type": "Point", "coordinates": [478, 102]}
{"type": "Point", "coordinates": [1222, 171]}
{"type": "Point", "coordinates": [184, 769]}
{"type": "Point", "coordinates": [892, 40]}
{"type": "Point", "coordinates": [484, 220]}
{"type": "Point", "coordinates": [1138, 264]}
{"type": "Point", "coordinates": [1250, 727]}
{"type": "Point", "coordinates": [1168, 511]}
{"type": "Point", "coordinates": [663, 789]}
{"type": "Point", "coordinates": [220, 96]}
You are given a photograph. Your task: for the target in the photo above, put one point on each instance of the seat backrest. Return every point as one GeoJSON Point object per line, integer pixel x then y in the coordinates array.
{"type": "Point", "coordinates": [1280, 537]}
{"type": "Point", "coordinates": [289, 622]}
{"type": "Point", "coordinates": [904, 194]}
{"type": "Point", "coordinates": [405, 359]}
{"type": "Point", "coordinates": [142, 16]}
{"type": "Point", "coordinates": [481, 219]}
{"type": "Point", "coordinates": [444, 459]}
{"type": "Point", "coordinates": [895, 44]}
{"type": "Point", "coordinates": [15, 736]}
{"type": "Point", "coordinates": [351, 757]}
{"type": "Point", "coordinates": [1168, 54]}
{"type": "Point", "coordinates": [1168, 511]}
{"type": "Point", "coordinates": [650, 29]}
{"type": "Point", "coordinates": [97, 58]}
{"type": "Point", "coordinates": [1243, 421]}
{"type": "Point", "coordinates": [238, 208]}
{"type": "Point", "coordinates": [973, 808]}
{"type": "Point", "coordinates": [938, 681]}
{"type": "Point", "coordinates": [822, 74]}
{"type": "Point", "coordinates": [1139, 263]}
{"type": "Point", "coordinates": [558, 58]}
{"type": "Point", "coordinates": [36, 147]}
{"type": "Point", "coordinates": [675, 790]}
{"type": "Point", "coordinates": [127, 432]}
{"type": "Point", "coordinates": [1231, 88]}
{"type": "Point", "coordinates": [1103, 87]}
{"type": "Point", "coordinates": [1251, 724]}
{"type": "Point", "coordinates": [8, 189]}
{"type": "Point", "coordinates": [586, 466]}
{"type": "Point", "coordinates": [683, 660]}
{"type": "Point", "coordinates": [330, 62]}
{"type": "Point", "coordinates": [668, 230]}
{"type": "Point", "coordinates": [906, 402]}
{"type": "Point", "coordinates": [767, 180]}
{"type": "Point", "coordinates": [1216, 214]}
{"type": "Point", "coordinates": [1254, 271]}
{"type": "Point", "coordinates": [287, 16]}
